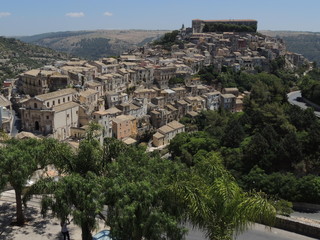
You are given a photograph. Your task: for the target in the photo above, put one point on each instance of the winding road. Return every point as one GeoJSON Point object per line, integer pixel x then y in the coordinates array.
{"type": "Point", "coordinates": [293, 99]}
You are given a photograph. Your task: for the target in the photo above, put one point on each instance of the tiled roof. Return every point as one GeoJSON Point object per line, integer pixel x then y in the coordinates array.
{"type": "Point", "coordinates": [175, 125]}
{"type": "Point", "coordinates": [65, 106]}
{"type": "Point", "coordinates": [122, 118]}
{"type": "Point", "coordinates": [88, 93]}
{"type": "Point", "coordinates": [63, 92]}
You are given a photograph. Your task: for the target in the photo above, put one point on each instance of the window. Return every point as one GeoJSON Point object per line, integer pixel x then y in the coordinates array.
{"type": "Point", "coordinates": [47, 117]}
{"type": "Point", "coordinates": [64, 99]}
{"type": "Point", "coordinates": [48, 104]}
{"type": "Point", "coordinates": [53, 103]}
{"type": "Point", "coordinates": [58, 101]}
{"type": "Point", "coordinates": [68, 98]}
{"type": "Point", "coordinates": [35, 105]}
{"type": "Point", "coordinates": [68, 115]}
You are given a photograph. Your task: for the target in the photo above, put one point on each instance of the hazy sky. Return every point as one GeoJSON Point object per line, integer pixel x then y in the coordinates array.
{"type": "Point", "coordinates": [28, 17]}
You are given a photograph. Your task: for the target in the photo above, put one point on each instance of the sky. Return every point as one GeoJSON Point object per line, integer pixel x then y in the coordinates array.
{"type": "Point", "coordinates": [29, 17]}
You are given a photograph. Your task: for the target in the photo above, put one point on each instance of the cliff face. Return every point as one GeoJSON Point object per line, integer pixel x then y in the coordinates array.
{"type": "Point", "coordinates": [94, 44]}
{"type": "Point", "coordinates": [17, 57]}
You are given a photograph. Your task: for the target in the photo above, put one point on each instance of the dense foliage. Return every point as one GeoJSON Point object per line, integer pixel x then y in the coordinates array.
{"type": "Point", "coordinates": [244, 80]}
{"type": "Point", "coordinates": [225, 27]}
{"type": "Point", "coordinates": [19, 159]}
{"type": "Point", "coordinates": [148, 197]}
{"type": "Point", "coordinates": [93, 48]}
{"type": "Point", "coordinates": [270, 135]}
{"type": "Point", "coordinates": [168, 39]}
{"type": "Point", "coordinates": [310, 86]}
{"type": "Point", "coordinates": [176, 80]}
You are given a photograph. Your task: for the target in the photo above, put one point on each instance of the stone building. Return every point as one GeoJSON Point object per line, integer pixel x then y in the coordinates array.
{"type": "Point", "coordinates": [124, 126]}
{"type": "Point", "coordinates": [51, 113]}
{"type": "Point", "coordinates": [162, 76]}
{"type": "Point", "coordinates": [212, 100]}
{"type": "Point", "coordinates": [228, 102]}
{"type": "Point", "coordinates": [167, 132]}
{"type": "Point", "coordinates": [37, 81]}
{"type": "Point", "coordinates": [198, 24]}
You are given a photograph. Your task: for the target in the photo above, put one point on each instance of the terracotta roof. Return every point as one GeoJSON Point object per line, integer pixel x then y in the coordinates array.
{"type": "Point", "coordinates": [33, 72]}
{"type": "Point", "coordinates": [165, 129]}
{"type": "Point", "coordinates": [113, 110]}
{"type": "Point", "coordinates": [144, 90]}
{"type": "Point", "coordinates": [158, 135]}
{"type": "Point", "coordinates": [231, 89]}
{"type": "Point", "coordinates": [134, 107]}
{"type": "Point", "coordinates": [182, 102]}
{"type": "Point", "coordinates": [102, 112]}
{"type": "Point", "coordinates": [129, 140]}
{"type": "Point", "coordinates": [60, 93]}
{"type": "Point", "coordinates": [65, 106]}
{"type": "Point", "coordinates": [93, 84]}
{"type": "Point", "coordinates": [88, 93]}
{"type": "Point", "coordinates": [192, 114]}
{"type": "Point", "coordinates": [212, 93]}
{"type": "Point", "coordinates": [175, 125]}
{"type": "Point", "coordinates": [122, 118]}
{"type": "Point", "coordinates": [171, 108]}
{"type": "Point", "coordinates": [4, 102]}
{"type": "Point", "coordinates": [155, 112]}
{"type": "Point", "coordinates": [228, 95]}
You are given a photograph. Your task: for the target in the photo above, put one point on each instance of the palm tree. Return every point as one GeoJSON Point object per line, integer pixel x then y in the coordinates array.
{"type": "Point", "coordinates": [215, 202]}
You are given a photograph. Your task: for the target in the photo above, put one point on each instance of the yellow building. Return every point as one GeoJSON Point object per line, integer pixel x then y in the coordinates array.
{"type": "Point", "coordinates": [124, 126]}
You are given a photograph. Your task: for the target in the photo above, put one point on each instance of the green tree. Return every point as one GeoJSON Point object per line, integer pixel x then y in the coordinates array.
{"type": "Point", "coordinates": [80, 192]}
{"type": "Point", "coordinates": [19, 159]}
{"type": "Point", "coordinates": [79, 196]}
{"type": "Point", "coordinates": [234, 134]}
{"type": "Point", "coordinates": [140, 203]}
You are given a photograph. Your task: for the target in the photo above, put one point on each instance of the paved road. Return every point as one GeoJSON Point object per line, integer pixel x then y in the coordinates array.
{"type": "Point", "coordinates": [257, 232]}
{"type": "Point", "coordinates": [39, 228]}
{"type": "Point", "coordinates": [292, 98]}
{"type": "Point", "coordinates": [260, 232]}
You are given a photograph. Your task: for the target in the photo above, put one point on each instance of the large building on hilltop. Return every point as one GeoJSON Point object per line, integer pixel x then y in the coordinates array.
{"type": "Point", "coordinates": [199, 26]}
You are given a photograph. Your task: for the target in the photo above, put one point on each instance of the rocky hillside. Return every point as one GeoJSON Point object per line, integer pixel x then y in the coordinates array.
{"type": "Point", "coordinates": [94, 44]}
{"type": "Point", "coordinates": [305, 43]}
{"type": "Point", "coordinates": [17, 56]}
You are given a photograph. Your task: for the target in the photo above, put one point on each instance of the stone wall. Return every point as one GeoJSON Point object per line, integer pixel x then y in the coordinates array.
{"type": "Point", "coordinates": [303, 227]}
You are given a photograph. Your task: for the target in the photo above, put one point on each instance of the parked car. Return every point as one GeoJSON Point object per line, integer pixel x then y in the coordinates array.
{"type": "Point", "coordinates": [102, 235]}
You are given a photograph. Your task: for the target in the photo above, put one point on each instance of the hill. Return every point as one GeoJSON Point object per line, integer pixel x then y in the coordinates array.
{"type": "Point", "coordinates": [94, 44]}
{"type": "Point", "coordinates": [17, 56]}
{"type": "Point", "coordinates": [305, 43]}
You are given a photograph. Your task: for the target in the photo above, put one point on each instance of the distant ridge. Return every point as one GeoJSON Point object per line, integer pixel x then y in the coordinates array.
{"type": "Point", "coordinates": [94, 44]}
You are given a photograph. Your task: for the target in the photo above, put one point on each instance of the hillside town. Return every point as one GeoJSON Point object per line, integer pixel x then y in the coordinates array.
{"type": "Point", "coordinates": [133, 96]}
